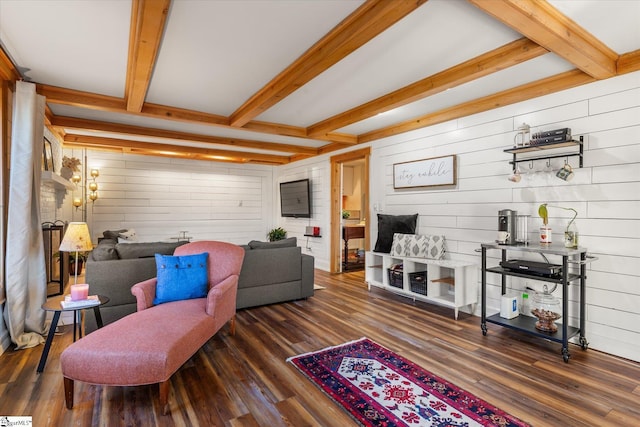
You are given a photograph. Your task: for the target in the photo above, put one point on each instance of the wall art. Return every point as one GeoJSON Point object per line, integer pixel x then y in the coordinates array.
{"type": "Point", "coordinates": [432, 172]}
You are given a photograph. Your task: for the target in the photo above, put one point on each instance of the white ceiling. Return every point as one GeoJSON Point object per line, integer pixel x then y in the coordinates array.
{"type": "Point", "coordinates": [214, 55]}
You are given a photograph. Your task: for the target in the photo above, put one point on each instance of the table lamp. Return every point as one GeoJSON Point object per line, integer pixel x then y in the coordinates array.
{"type": "Point", "coordinates": [76, 239]}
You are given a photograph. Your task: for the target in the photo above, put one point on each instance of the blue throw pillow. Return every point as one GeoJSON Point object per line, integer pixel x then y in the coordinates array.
{"type": "Point", "coordinates": [181, 277]}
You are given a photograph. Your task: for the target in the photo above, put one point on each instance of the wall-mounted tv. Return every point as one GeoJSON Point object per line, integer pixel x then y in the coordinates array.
{"type": "Point", "coordinates": [295, 199]}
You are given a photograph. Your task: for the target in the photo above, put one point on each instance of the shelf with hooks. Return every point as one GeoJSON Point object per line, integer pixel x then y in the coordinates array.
{"type": "Point", "coordinates": [549, 146]}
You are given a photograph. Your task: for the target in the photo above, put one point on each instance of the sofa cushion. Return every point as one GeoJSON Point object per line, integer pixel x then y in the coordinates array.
{"type": "Point", "coordinates": [106, 250]}
{"type": "Point", "coordinates": [265, 267]}
{"type": "Point", "coordinates": [146, 250]}
{"type": "Point", "coordinates": [291, 242]}
{"type": "Point", "coordinates": [113, 234]}
{"type": "Point", "coordinates": [181, 277]}
{"type": "Point", "coordinates": [388, 225]}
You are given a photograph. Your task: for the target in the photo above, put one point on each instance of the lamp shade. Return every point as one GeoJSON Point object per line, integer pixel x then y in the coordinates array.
{"type": "Point", "coordinates": [76, 238]}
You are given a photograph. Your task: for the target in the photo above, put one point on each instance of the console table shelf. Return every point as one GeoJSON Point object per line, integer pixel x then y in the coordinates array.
{"type": "Point", "coordinates": [525, 323]}
{"type": "Point", "coordinates": [449, 283]}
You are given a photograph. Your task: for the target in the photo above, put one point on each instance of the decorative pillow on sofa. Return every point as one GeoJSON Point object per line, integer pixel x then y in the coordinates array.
{"type": "Point", "coordinates": [181, 277]}
{"type": "Point", "coordinates": [290, 242]}
{"type": "Point", "coordinates": [388, 225]}
{"type": "Point", "coordinates": [418, 245]}
{"type": "Point", "coordinates": [128, 236]}
{"type": "Point", "coordinates": [113, 234]}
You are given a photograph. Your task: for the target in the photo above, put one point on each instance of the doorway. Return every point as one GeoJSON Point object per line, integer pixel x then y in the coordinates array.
{"type": "Point", "coordinates": [353, 162]}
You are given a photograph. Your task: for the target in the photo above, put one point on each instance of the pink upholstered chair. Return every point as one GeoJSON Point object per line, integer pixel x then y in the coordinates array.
{"type": "Point", "coordinates": [150, 345]}
{"type": "Point", "coordinates": [225, 262]}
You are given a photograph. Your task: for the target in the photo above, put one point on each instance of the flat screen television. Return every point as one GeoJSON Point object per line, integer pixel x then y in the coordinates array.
{"type": "Point", "coordinates": [295, 199]}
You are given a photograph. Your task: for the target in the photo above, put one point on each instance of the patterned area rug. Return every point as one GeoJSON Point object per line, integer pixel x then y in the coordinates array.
{"type": "Point", "coordinates": [380, 388]}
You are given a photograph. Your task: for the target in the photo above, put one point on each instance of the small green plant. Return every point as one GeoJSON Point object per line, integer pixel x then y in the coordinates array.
{"type": "Point", "coordinates": [346, 214]}
{"type": "Point", "coordinates": [277, 234]}
{"type": "Point", "coordinates": [544, 214]}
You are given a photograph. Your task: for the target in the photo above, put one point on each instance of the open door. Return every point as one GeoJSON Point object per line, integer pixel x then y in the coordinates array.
{"type": "Point", "coordinates": [337, 163]}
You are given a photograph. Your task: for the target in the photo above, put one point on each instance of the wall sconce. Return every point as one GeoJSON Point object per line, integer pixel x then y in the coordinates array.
{"type": "Point", "coordinates": [90, 190]}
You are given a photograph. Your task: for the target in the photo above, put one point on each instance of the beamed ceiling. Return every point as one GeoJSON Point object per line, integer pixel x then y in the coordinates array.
{"type": "Point", "coordinates": [275, 81]}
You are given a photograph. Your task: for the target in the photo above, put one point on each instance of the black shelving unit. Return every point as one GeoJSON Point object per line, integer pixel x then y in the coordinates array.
{"type": "Point", "coordinates": [524, 323]}
{"type": "Point", "coordinates": [537, 148]}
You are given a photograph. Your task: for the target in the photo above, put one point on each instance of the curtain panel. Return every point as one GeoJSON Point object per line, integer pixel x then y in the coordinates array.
{"type": "Point", "coordinates": [26, 283]}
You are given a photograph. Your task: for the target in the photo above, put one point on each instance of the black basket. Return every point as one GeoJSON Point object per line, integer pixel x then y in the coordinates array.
{"type": "Point", "coordinates": [395, 277]}
{"type": "Point", "coordinates": [418, 281]}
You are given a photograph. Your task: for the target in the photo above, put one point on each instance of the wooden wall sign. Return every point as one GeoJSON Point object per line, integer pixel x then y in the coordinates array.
{"type": "Point", "coordinates": [431, 172]}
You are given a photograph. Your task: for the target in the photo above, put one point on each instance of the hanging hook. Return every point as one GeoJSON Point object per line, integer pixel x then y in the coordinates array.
{"type": "Point", "coordinates": [531, 165]}
{"type": "Point", "coordinates": [548, 163]}
{"type": "Point", "coordinates": [566, 160]}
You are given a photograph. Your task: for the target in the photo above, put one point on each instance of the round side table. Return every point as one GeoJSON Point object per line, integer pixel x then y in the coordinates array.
{"type": "Point", "coordinates": [53, 304]}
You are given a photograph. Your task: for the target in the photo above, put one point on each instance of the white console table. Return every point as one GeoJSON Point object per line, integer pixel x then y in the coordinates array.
{"type": "Point", "coordinates": [449, 283]}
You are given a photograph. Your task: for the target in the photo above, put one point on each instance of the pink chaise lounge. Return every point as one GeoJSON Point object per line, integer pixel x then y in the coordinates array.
{"type": "Point", "coordinates": [150, 345]}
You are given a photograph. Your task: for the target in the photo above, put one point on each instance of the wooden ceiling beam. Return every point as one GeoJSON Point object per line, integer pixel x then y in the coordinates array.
{"type": "Point", "coordinates": [524, 92]}
{"type": "Point", "coordinates": [369, 20]}
{"type": "Point", "coordinates": [503, 57]}
{"type": "Point", "coordinates": [287, 130]}
{"type": "Point", "coordinates": [148, 19]}
{"type": "Point", "coordinates": [8, 71]}
{"type": "Point", "coordinates": [75, 98]}
{"type": "Point", "coordinates": [629, 62]}
{"type": "Point", "coordinates": [172, 150]}
{"type": "Point", "coordinates": [541, 22]}
{"type": "Point", "coordinates": [98, 126]}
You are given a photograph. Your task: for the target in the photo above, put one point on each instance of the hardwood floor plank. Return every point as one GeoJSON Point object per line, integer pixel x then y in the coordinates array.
{"type": "Point", "coordinates": [245, 381]}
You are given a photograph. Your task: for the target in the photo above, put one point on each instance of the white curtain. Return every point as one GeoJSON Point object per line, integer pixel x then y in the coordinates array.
{"type": "Point", "coordinates": [26, 281]}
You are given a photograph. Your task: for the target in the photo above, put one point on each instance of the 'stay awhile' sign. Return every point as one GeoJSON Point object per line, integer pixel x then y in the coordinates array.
{"type": "Point", "coordinates": [425, 173]}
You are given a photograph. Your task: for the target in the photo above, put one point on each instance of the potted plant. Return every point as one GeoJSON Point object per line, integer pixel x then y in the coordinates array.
{"type": "Point", "coordinates": [570, 233]}
{"type": "Point", "coordinates": [277, 234]}
{"type": "Point", "coordinates": [346, 214]}
{"type": "Point", "coordinates": [80, 260]}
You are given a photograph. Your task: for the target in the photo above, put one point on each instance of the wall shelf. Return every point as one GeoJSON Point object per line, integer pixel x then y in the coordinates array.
{"type": "Point", "coordinates": [58, 182]}
{"type": "Point", "coordinates": [549, 146]}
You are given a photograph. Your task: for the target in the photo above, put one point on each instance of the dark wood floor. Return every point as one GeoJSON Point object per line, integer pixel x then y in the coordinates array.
{"type": "Point", "coordinates": [243, 380]}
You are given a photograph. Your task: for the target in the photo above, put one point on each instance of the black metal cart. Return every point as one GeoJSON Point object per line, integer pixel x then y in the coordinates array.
{"type": "Point", "coordinates": [577, 257]}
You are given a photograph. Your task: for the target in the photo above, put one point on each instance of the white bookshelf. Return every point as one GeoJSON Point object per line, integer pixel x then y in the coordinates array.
{"type": "Point", "coordinates": [449, 283]}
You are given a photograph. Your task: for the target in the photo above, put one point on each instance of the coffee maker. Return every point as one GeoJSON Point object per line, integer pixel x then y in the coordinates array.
{"type": "Point", "coordinates": [507, 222]}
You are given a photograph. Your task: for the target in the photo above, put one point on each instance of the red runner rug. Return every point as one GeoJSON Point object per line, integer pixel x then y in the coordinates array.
{"type": "Point", "coordinates": [380, 388]}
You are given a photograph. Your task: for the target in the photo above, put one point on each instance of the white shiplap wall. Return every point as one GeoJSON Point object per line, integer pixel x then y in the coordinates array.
{"type": "Point", "coordinates": [317, 170]}
{"type": "Point", "coordinates": [605, 192]}
{"type": "Point", "coordinates": [160, 197]}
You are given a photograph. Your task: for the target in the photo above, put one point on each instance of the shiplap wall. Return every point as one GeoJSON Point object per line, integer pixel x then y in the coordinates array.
{"type": "Point", "coordinates": [160, 197]}
{"type": "Point", "coordinates": [317, 170]}
{"type": "Point", "coordinates": [605, 192]}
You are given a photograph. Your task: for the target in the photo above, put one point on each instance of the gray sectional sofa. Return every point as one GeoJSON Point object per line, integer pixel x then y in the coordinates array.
{"type": "Point", "coordinates": [272, 272]}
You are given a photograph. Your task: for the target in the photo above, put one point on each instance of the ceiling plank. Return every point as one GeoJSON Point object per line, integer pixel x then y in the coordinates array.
{"type": "Point", "coordinates": [629, 62]}
{"type": "Point", "coordinates": [98, 126]}
{"type": "Point", "coordinates": [524, 92]}
{"type": "Point", "coordinates": [541, 22]}
{"type": "Point", "coordinates": [503, 57]}
{"type": "Point", "coordinates": [148, 19]}
{"type": "Point", "coordinates": [172, 150]}
{"type": "Point", "coordinates": [368, 21]}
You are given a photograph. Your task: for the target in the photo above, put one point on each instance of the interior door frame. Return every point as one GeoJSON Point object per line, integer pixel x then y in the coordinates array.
{"type": "Point", "coordinates": [336, 202]}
